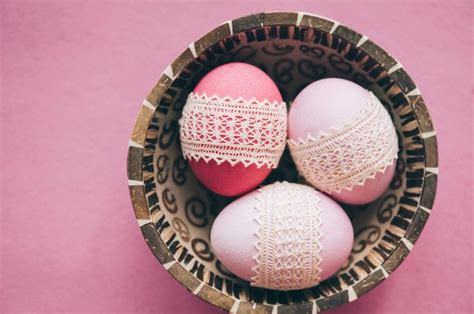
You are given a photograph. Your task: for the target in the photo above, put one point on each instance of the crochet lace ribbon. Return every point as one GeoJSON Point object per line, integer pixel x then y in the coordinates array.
{"type": "Point", "coordinates": [346, 157]}
{"type": "Point", "coordinates": [289, 236]}
{"type": "Point", "coordinates": [233, 130]}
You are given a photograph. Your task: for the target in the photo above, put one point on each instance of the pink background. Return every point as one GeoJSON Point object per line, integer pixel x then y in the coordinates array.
{"type": "Point", "coordinates": [73, 77]}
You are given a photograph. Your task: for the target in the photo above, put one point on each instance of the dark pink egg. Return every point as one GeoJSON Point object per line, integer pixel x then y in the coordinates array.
{"type": "Point", "coordinates": [234, 80]}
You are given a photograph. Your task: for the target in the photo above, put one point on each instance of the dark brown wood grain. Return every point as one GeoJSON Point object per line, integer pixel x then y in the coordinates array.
{"type": "Point", "coordinates": [134, 163]}
{"type": "Point", "coordinates": [431, 149]}
{"type": "Point", "coordinates": [380, 55]}
{"type": "Point", "coordinates": [368, 283]}
{"type": "Point", "coordinates": [254, 308]}
{"type": "Point", "coordinates": [348, 34]}
{"type": "Point", "coordinates": [182, 61]}
{"type": "Point", "coordinates": [140, 206]}
{"type": "Point", "coordinates": [159, 89]}
{"type": "Point", "coordinates": [396, 258]}
{"type": "Point", "coordinates": [247, 22]}
{"type": "Point", "coordinates": [141, 125]}
{"type": "Point", "coordinates": [422, 114]}
{"type": "Point", "coordinates": [417, 225]}
{"type": "Point", "coordinates": [156, 244]}
{"type": "Point", "coordinates": [184, 277]}
{"type": "Point", "coordinates": [333, 300]}
{"type": "Point", "coordinates": [429, 190]}
{"type": "Point", "coordinates": [212, 37]}
{"type": "Point", "coordinates": [280, 18]}
{"type": "Point", "coordinates": [216, 297]}
{"type": "Point", "coordinates": [403, 80]}
{"type": "Point", "coordinates": [303, 308]}
{"type": "Point", "coordinates": [317, 23]}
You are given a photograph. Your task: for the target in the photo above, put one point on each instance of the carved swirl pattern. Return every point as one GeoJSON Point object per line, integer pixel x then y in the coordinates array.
{"type": "Point", "coordinates": [386, 208]}
{"type": "Point", "coordinates": [202, 249]}
{"type": "Point", "coordinates": [366, 236]}
{"type": "Point", "coordinates": [181, 228]}
{"type": "Point", "coordinates": [196, 212]}
{"type": "Point", "coordinates": [169, 200]}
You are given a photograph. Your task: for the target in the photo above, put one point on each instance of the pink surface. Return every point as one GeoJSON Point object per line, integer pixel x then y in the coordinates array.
{"type": "Point", "coordinates": [236, 252]}
{"type": "Point", "coordinates": [330, 104]}
{"type": "Point", "coordinates": [73, 77]}
{"type": "Point", "coordinates": [239, 218]}
{"type": "Point", "coordinates": [234, 80]}
{"type": "Point", "coordinates": [324, 105]}
{"type": "Point", "coordinates": [338, 236]}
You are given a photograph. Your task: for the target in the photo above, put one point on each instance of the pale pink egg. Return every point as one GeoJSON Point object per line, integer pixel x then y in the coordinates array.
{"type": "Point", "coordinates": [329, 106]}
{"type": "Point", "coordinates": [234, 81]}
{"type": "Point", "coordinates": [234, 234]}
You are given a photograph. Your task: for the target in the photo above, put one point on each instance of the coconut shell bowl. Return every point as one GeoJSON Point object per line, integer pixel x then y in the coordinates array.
{"type": "Point", "coordinates": [175, 212]}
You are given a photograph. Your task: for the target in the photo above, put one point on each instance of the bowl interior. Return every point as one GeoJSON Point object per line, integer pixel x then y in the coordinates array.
{"type": "Point", "coordinates": [182, 211]}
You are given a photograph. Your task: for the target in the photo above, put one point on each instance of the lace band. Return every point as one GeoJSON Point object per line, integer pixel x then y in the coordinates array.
{"type": "Point", "coordinates": [233, 130]}
{"type": "Point", "coordinates": [289, 236]}
{"type": "Point", "coordinates": [346, 157]}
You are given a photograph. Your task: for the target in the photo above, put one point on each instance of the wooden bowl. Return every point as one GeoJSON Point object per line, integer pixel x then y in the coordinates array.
{"type": "Point", "coordinates": [175, 212]}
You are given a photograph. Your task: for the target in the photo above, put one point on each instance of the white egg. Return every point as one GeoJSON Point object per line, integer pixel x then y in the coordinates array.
{"type": "Point", "coordinates": [284, 236]}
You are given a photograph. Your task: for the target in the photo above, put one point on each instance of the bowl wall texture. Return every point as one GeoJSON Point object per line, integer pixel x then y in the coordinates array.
{"type": "Point", "coordinates": [175, 212]}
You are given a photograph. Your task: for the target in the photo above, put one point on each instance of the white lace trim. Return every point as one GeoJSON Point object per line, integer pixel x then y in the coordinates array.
{"type": "Point", "coordinates": [289, 236]}
{"type": "Point", "coordinates": [347, 157]}
{"type": "Point", "coordinates": [233, 130]}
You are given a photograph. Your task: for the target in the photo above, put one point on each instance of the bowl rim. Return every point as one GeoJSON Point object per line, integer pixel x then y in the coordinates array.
{"type": "Point", "coordinates": [288, 18]}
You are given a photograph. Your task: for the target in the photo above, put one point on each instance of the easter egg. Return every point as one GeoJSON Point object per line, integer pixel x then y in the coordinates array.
{"type": "Point", "coordinates": [342, 140]}
{"type": "Point", "coordinates": [233, 129]}
{"type": "Point", "coordinates": [284, 236]}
